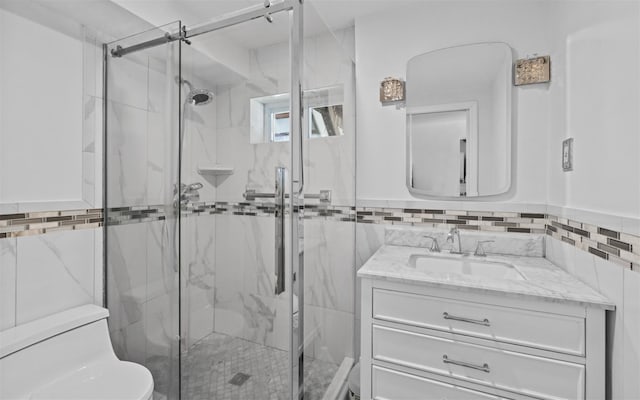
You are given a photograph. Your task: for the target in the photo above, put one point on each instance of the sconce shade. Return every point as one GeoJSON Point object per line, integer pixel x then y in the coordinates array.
{"type": "Point", "coordinates": [532, 70]}
{"type": "Point", "coordinates": [391, 91]}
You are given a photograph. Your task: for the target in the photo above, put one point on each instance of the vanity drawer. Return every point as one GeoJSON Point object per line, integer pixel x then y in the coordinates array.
{"type": "Point", "coordinates": [560, 333]}
{"type": "Point", "coordinates": [535, 376]}
{"type": "Point", "coordinates": [390, 384]}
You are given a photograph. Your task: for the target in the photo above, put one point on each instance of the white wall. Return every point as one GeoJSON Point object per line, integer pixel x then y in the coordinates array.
{"type": "Point", "coordinates": [40, 113]}
{"type": "Point", "coordinates": [42, 150]}
{"type": "Point", "coordinates": [622, 286]}
{"type": "Point", "coordinates": [595, 98]}
{"type": "Point", "coordinates": [384, 44]}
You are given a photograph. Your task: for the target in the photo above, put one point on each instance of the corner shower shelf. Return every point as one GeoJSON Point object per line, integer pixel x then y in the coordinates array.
{"type": "Point", "coordinates": [215, 169]}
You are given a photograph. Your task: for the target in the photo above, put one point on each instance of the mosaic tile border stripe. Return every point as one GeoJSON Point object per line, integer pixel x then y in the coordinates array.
{"type": "Point", "coordinates": [491, 221]}
{"type": "Point", "coordinates": [129, 215]}
{"type": "Point", "coordinates": [618, 247]}
{"type": "Point", "coordinates": [41, 222]}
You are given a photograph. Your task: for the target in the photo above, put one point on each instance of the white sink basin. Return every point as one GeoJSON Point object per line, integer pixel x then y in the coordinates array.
{"type": "Point", "coordinates": [465, 265]}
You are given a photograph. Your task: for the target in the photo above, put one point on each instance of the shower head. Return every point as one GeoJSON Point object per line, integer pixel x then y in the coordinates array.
{"type": "Point", "coordinates": [184, 82]}
{"type": "Point", "coordinates": [199, 97]}
{"type": "Point", "coordinates": [196, 97]}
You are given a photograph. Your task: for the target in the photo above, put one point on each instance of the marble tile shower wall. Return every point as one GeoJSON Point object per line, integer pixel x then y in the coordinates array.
{"type": "Point", "coordinates": [245, 305]}
{"type": "Point", "coordinates": [198, 235]}
{"type": "Point", "coordinates": [142, 284]}
{"type": "Point", "coordinates": [329, 161]}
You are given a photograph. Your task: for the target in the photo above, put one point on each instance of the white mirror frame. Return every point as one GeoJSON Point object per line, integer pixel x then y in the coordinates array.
{"type": "Point", "coordinates": [509, 160]}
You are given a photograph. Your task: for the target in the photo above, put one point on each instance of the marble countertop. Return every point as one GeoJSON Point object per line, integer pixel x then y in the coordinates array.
{"type": "Point", "coordinates": [543, 281]}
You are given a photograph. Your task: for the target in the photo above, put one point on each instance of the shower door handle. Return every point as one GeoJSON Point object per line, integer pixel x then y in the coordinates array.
{"type": "Point", "coordinates": [279, 239]}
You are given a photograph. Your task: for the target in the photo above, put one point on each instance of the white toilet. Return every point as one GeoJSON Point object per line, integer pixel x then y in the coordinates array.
{"type": "Point", "coordinates": [68, 356]}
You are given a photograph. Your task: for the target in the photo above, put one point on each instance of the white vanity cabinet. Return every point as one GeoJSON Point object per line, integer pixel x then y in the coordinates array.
{"type": "Point", "coordinates": [424, 342]}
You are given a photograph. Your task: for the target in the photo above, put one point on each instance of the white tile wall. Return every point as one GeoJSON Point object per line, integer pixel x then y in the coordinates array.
{"type": "Point", "coordinates": [244, 279]}
{"type": "Point", "coordinates": [330, 332]}
{"type": "Point", "coordinates": [54, 272]}
{"type": "Point", "coordinates": [128, 79]}
{"type": "Point", "coordinates": [631, 335]}
{"type": "Point", "coordinates": [127, 155]}
{"type": "Point", "coordinates": [98, 267]}
{"type": "Point", "coordinates": [329, 264]}
{"type": "Point", "coordinates": [621, 286]}
{"type": "Point", "coordinates": [126, 274]}
{"type": "Point", "coordinates": [8, 253]}
{"type": "Point", "coordinates": [198, 260]}
{"type": "Point", "coordinates": [161, 328]}
{"type": "Point", "coordinates": [143, 293]}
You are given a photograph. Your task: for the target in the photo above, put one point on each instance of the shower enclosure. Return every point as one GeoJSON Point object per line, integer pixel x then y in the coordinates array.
{"type": "Point", "coordinates": [229, 201]}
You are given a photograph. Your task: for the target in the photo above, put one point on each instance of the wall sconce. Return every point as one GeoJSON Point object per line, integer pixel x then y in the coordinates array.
{"type": "Point", "coordinates": [532, 70]}
{"type": "Point", "coordinates": [391, 91]}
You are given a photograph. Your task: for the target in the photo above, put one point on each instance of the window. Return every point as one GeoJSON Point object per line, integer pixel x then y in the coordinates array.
{"type": "Point", "coordinates": [271, 120]}
{"type": "Point", "coordinates": [279, 128]}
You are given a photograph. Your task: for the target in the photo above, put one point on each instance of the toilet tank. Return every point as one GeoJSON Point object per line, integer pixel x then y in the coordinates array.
{"type": "Point", "coordinates": [37, 353]}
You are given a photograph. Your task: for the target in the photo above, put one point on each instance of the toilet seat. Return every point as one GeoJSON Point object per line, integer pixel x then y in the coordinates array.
{"type": "Point", "coordinates": [103, 380]}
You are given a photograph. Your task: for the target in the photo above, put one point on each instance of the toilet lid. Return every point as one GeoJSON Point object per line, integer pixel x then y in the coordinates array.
{"type": "Point", "coordinates": [106, 380]}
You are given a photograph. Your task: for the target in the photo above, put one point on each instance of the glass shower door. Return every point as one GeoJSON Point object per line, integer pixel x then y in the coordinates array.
{"type": "Point", "coordinates": [141, 221]}
{"type": "Point", "coordinates": [203, 224]}
{"type": "Point", "coordinates": [237, 289]}
{"type": "Point", "coordinates": [328, 259]}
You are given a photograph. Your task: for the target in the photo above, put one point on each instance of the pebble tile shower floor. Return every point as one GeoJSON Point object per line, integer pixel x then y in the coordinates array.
{"type": "Point", "coordinates": [214, 361]}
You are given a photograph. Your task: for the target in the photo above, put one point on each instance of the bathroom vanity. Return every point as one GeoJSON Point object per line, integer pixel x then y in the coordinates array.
{"type": "Point", "coordinates": [440, 325]}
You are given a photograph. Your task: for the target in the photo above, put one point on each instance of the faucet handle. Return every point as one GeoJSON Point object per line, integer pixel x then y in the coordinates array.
{"type": "Point", "coordinates": [480, 249]}
{"type": "Point", "coordinates": [434, 243]}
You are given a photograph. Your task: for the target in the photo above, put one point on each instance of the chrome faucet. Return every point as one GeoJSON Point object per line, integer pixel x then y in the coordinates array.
{"type": "Point", "coordinates": [186, 194]}
{"type": "Point", "coordinates": [434, 243]}
{"type": "Point", "coordinates": [480, 252]}
{"type": "Point", "coordinates": [451, 238]}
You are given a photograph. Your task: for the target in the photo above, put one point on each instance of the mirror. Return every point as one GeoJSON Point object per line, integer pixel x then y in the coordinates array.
{"type": "Point", "coordinates": [458, 105]}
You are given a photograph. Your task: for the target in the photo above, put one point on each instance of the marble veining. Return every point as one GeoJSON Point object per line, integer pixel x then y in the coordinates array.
{"type": "Point", "coordinates": [543, 280]}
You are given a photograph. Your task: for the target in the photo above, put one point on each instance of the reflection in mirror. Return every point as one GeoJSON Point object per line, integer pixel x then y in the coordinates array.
{"type": "Point", "coordinates": [325, 121]}
{"type": "Point", "coordinates": [324, 115]}
{"type": "Point", "coordinates": [458, 109]}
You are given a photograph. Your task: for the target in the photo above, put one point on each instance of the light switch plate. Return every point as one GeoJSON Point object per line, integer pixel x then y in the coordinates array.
{"type": "Point", "coordinates": [567, 155]}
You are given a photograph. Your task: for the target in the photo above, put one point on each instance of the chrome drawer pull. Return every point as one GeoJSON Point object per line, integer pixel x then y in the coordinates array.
{"type": "Point", "coordinates": [484, 367]}
{"type": "Point", "coordinates": [484, 322]}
